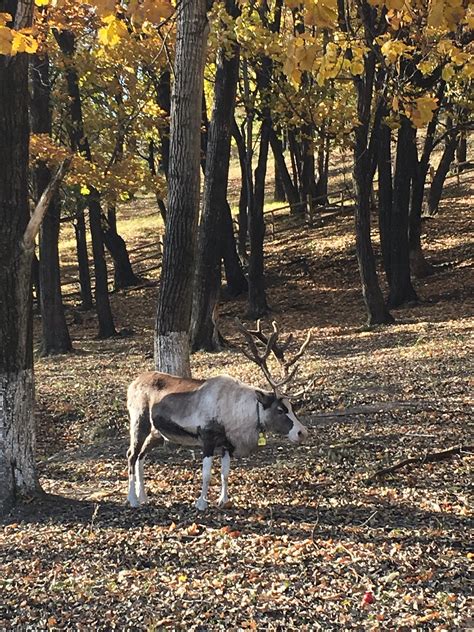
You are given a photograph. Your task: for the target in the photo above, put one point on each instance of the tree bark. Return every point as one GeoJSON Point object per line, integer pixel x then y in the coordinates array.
{"type": "Point", "coordinates": [55, 333]}
{"type": "Point", "coordinates": [385, 197]}
{"type": "Point", "coordinates": [124, 276]}
{"type": "Point", "coordinates": [461, 152]}
{"type": "Point", "coordinates": [419, 266]}
{"type": "Point", "coordinates": [83, 260]}
{"type": "Point", "coordinates": [79, 142]}
{"type": "Point", "coordinates": [278, 189]}
{"type": "Point", "coordinates": [291, 194]}
{"type": "Point", "coordinates": [243, 197]}
{"type": "Point", "coordinates": [363, 169]}
{"type": "Point", "coordinates": [176, 284]}
{"type": "Point", "coordinates": [436, 189]}
{"type": "Point", "coordinates": [17, 429]}
{"type": "Point", "coordinates": [401, 288]}
{"type": "Point", "coordinates": [204, 334]}
{"type": "Point", "coordinates": [235, 277]}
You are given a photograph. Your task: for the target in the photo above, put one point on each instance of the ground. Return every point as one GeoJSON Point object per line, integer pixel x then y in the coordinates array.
{"type": "Point", "coordinates": [308, 542]}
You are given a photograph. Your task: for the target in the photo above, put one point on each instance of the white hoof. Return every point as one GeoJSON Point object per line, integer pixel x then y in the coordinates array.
{"type": "Point", "coordinates": [201, 504]}
{"type": "Point", "coordinates": [133, 501]}
{"type": "Point", "coordinates": [222, 502]}
{"type": "Point", "coordinates": [142, 498]}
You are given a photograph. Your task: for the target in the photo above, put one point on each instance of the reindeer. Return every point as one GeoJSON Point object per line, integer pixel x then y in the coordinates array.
{"type": "Point", "coordinates": [220, 414]}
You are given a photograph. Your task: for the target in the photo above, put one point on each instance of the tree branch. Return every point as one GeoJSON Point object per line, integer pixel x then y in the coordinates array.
{"type": "Point", "coordinates": [43, 204]}
{"type": "Point", "coordinates": [429, 457]}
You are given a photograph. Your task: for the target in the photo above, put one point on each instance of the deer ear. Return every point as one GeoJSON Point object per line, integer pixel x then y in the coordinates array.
{"type": "Point", "coordinates": [266, 399]}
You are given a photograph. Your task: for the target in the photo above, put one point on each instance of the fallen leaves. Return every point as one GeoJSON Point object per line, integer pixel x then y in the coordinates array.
{"type": "Point", "coordinates": [306, 542]}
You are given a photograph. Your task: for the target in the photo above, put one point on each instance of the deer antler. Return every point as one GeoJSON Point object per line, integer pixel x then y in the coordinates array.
{"type": "Point", "coordinates": [271, 346]}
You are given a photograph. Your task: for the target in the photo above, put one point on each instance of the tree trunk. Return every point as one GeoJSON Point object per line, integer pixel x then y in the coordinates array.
{"type": "Point", "coordinates": [176, 283]}
{"type": "Point", "coordinates": [80, 143]}
{"type": "Point", "coordinates": [163, 98]}
{"type": "Point", "coordinates": [279, 189]}
{"type": "Point", "coordinates": [257, 298]}
{"type": "Point", "coordinates": [243, 198]}
{"type": "Point", "coordinates": [124, 275]}
{"type": "Point", "coordinates": [291, 194]}
{"type": "Point", "coordinates": [235, 277]}
{"type": "Point", "coordinates": [419, 266]}
{"type": "Point", "coordinates": [436, 189]}
{"type": "Point", "coordinates": [204, 334]}
{"type": "Point", "coordinates": [102, 302]}
{"type": "Point", "coordinates": [295, 157]}
{"type": "Point", "coordinates": [461, 152]}
{"type": "Point", "coordinates": [401, 288]}
{"type": "Point", "coordinates": [55, 333]}
{"type": "Point", "coordinates": [385, 195]}
{"type": "Point", "coordinates": [83, 260]}
{"type": "Point", "coordinates": [17, 429]}
{"type": "Point", "coordinates": [363, 159]}
{"type": "Point", "coordinates": [323, 173]}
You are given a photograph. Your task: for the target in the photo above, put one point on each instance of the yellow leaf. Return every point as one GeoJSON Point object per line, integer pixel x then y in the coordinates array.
{"type": "Point", "coordinates": [85, 190]}
{"type": "Point", "coordinates": [448, 72]}
{"type": "Point", "coordinates": [6, 37]}
{"type": "Point", "coordinates": [111, 34]}
{"type": "Point", "coordinates": [23, 43]}
{"type": "Point", "coordinates": [5, 18]}
{"type": "Point", "coordinates": [357, 67]}
{"type": "Point", "coordinates": [104, 7]}
{"type": "Point", "coordinates": [41, 3]}
{"type": "Point", "coordinates": [422, 113]}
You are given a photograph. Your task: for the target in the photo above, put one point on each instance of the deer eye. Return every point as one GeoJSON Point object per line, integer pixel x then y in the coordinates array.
{"type": "Point", "coordinates": [280, 409]}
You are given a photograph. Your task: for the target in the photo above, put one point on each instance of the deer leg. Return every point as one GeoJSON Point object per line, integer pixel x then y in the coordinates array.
{"type": "Point", "coordinates": [201, 502]}
{"type": "Point", "coordinates": [150, 442]}
{"type": "Point", "coordinates": [139, 430]}
{"type": "Point", "coordinates": [225, 467]}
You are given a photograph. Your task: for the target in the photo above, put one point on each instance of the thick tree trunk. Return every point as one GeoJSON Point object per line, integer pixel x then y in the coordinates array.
{"type": "Point", "coordinates": [176, 284]}
{"type": "Point", "coordinates": [17, 428]}
{"type": "Point", "coordinates": [401, 288]}
{"type": "Point", "coordinates": [204, 334]}
{"type": "Point", "coordinates": [363, 169]}
{"type": "Point", "coordinates": [55, 333]}
{"type": "Point", "coordinates": [436, 189]}
{"type": "Point", "coordinates": [79, 142]}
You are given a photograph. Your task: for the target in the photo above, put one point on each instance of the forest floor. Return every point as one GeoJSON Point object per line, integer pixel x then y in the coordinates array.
{"type": "Point", "coordinates": [308, 543]}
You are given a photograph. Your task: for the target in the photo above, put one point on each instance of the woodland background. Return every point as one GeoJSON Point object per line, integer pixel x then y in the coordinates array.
{"type": "Point", "coordinates": [333, 141]}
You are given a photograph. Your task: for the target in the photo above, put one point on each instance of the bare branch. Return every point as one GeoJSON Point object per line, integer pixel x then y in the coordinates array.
{"type": "Point", "coordinates": [430, 457]}
{"type": "Point", "coordinates": [45, 200]}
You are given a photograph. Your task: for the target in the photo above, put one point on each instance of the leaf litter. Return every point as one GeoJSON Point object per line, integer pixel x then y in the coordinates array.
{"type": "Point", "coordinates": [307, 542]}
